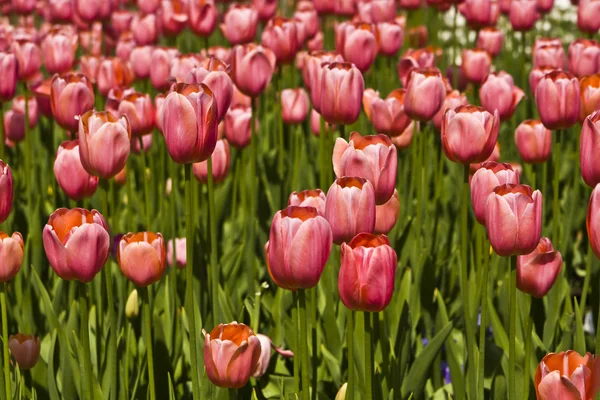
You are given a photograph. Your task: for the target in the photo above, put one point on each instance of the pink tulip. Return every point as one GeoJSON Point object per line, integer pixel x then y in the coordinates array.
{"type": "Point", "coordinates": [425, 94]}
{"type": "Point", "coordinates": [121, 21]}
{"type": "Point", "coordinates": [523, 14]}
{"type": "Point", "coordinates": [11, 255]}
{"type": "Point", "coordinates": [220, 164]}
{"type": "Point", "coordinates": [557, 100]}
{"type": "Point", "coordinates": [391, 36]}
{"type": "Point", "coordinates": [139, 110]}
{"type": "Point", "coordinates": [586, 16]}
{"type": "Point", "coordinates": [265, 355]}
{"type": "Point", "coordinates": [176, 254]}
{"type": "Point", "coordinates": [29, 57]}
{"type": "Point", "coordinates": [231, 354]}
{"type": "Point", "coordinates": [237, 126]}
{"type": "Point", "coordinates": [266, 8]}
{"type": "Point", "coordinates": [350, 208]}
{"type": "Point", "coordinates": [324, 6]}
{"type": "Point", "coordinates": [376, 11]}
{"type": "Point", "coordinates": [59, 48]}
{"type": "Point", "coordinates": [538, 270]}
{"type": "Point", "coordinates": [476, 64]}
{"type": "Point", "coordinates": [298, 247]}
{"type": "Point", "coordinates": [567, 376]}
{"type": "Point", "coordinates": [9, 70]}
{"type": "Point", "coordinates": [41, 91]}
{"type": "Point", "coordinates": [360, 45]}
{"type": "Point", "coordinates": [367, 273]}
{"type": "Point", "coordinates": [89, 66]}
{"type": "Point", "coordinates": [309, 198]}
{"type": "Point", "coordinates": [181, 65]}
{"type": "Point", "coordinates": [141, 61]}
{"type": "Point", "coordinates": [252, 68]}
{"type": "Point", "coordinates": [410, 4]}
{"type": "Point", "coordinates": [113, 73]}
{"type": "Point", "coordinates": [72, 178]}
{"type": "Point", "coordinates": [239, 24]}
{"type": "Point", "coordinates": [313, 73]}
{"type": "Point", "coordinates": [148, 6]}
{"type": "Point", "coordinates": [61, 10]}
{"type": "Point", "coordinates": [25, 349]}
{"type": "Point", "coordinates": [370, 95]}
{"type": "Point", "coordinates": [386, 215]}
{"type": "Point", "coordinates": [71, 95]}
{"type": "Point", "coordinates": [315, 123]}
{"type": "Point", "coordinates": [77, 243]}
{"type": "Point", "coordinates": [536, 75]}
{"type": "Point", "coordinates": [215, 74]}
{"type": "Point", "coordinates": [294, 105]}
{"type": "Point", "coordinates": [125, 46]}
{"type": "Point", "coordinates": [159, 101]}
{"type": "Point", "coordinates": [281, 37]}
{"type": "Point", "coordinates": [478, 13]}
{"type": "Point", "coordinates": [498, 92]}
{"type": "Point", "coordinates": [161, 67]}
{"type": "Point", "coordinates": [490, 40]}
{"type": "Point", "coordinates": [342, 87]}
{"type": "Point", "coordinates": [307, 15]}
{"type": "Point", "coordinates": [173, 16]}
{"type": "Point", "coordinates": [513, 219]}
{"type": "Point", "coordinates": [544, 6]}
{"type": "Point", "coordinates": [190, 123]}
{"type": "Point", "coordinates": [144, 29]}
{"type": "Point", "coordinates": [488, 177]}
{"type": "Point", "coordinates": [141, 257]}
{"type": "Point", "coordinates": [453, 99]}
{"type": "Point", "coordinates": [589, 145]}
{"type": "Point", "coordinates": [136, 148]}
{"type": "Point", "coordinates": [590, 95]}
{"type": "Point", "coordinates": [388, 116]}
{"type": "Point", "coordinates": [317, 43]}
{"type": "Point", "coordinates": [6, 191]}
{"type": "Point", "coordinates": [549, 55]}
{"type": "Point", "coordinates": [534, 141]}
{"type": "Point", "coordinates": [404, 140]}
{"type": "Point", "coordinates": [203, 16]}
{"type": "Point", "coordinates": [584, 57]}
{"type": "Point", "coordinates": [114, 98]}
{"type": "Point", "coordinates": [23, 7]}
{"type": "Point", "coordinates": [90, 10]}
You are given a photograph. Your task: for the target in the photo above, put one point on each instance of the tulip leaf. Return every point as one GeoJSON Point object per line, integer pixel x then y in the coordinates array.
{"type": "Point", "coordinates": [333, 365]}
{"type": "Point", "coordinates": [451, 353]}
{"type": "Point", "coordinates": [52, 389]}
{"type": "Point", "coordinates": [579, 340]}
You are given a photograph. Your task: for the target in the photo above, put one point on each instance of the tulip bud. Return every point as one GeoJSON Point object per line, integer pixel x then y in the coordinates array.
{"type": "Point", "coordinates": [350, 208]}
{"type": "Point", "coordinates": [281, 37]}
{"type": "Point", "coordinates": [567, 375]}
{"type": "Point", "coordinates": [498, 92]}
{"type": "Point", "coordinates": [89, 11]}
{"type": "Point", "coordinates": [239, 24]}
{"type": "Point", "coordinates": [491, 40]}
{"type": "Point", "coordinates": [72, 178]}
{"type": "Point", "coordinates": [59, 48]}
{"type": "Point", "coordinates": [589, 144]}
{"type": "Point", "coordinates": [252, 68]}
{"type": "Point", "coordinates": [132, 307]}
{"type": "Point", "coordinates": [315, 123]}
{"type": "Point", "coordinates": [9, 70]}
{"type": "Point", "coordinates": [489, 176]}
{"type": "Point", "coordinates": [141, 257]}
{"type": "Point", "coordinates": [265, 355]}
{"type": "Point", "coordinates": [76, 242]}
{"type": "Point", "coordinates": [144, 29]}
{"type": "Point", "coordinates": [425, 94]}
{"type": "Point", "coordinates": [11, 255]}
{"type": "Point", "coordinates": [294, 105]}
{"type": "Point", "coordinates": [386, 215]}
{"type": "Point", "coordinates": [231, 354]}
{"type": "Point", "coordinates": [309, 198]}
{"type": "Point", "coordinates": [342, 87]}
{"type": "Point", "coordinates": [391, 36]}
{"type": "Point", "coordinates": [586, 16]}
{"type": "Point", "coordinates": [237, 126]}
{"type": "Point", "coordinates": [534, 141]}
{"type": "Point", "coordinates": [298, 247]}
{"type": "Point", "coordinates": [367, 273]}
{"type": "Point", "coordinates": [25, 349]}
{"type": "Point", "coordinates": [523, 14]}
{"type": "Point", "coordinates": [203, 16]}
{"type": "Point", "coordinates": [176, 254]}
{"type": "Point", "coordinates": [584, 57]}
{"type": "Point", "coordinates": [513, 219]}
{"type": "Point", "coordinates": [469, 134]}
{"type": "Point", "coordinates": [537, 271]}
{"type": "Point", "coordinates": [6, 191]}
{"type": "Point", "coordinates": [476, 64]}
{"type": "Point", "coordinates": [220, 164]}
{"type": "Point", "coordinates": [453, 100]}
{"type": "Point", "coordinates": [71, 95]}
{"type": "Point", "coordinates": [215, 74]}
{"type": "Point", "coordinates": [557, 100]}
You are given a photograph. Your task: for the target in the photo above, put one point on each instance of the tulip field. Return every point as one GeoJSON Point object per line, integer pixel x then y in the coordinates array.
{"type": "Point", "coordinates": [299, 199]}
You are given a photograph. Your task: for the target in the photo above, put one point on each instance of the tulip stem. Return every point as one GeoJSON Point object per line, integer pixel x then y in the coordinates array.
{"type": "Point", "coordinates": [145, 180]}
{"type": "Point", "coordinates": [232, 393]}
{"type": "Point", "coordinates": [322, 155]}
{"type": "Point", "coordinates": [148, 340]}
{"type": "Point", "coordinates": [2, 133]}
{"type": "Point", "coordinates": [350, 344]}
{"type": "Point", "coordinates": [464, 270]}
{"type": "Point", "coordinates": [5, 342]}
{"type": "Point", "coordinates": [86, 384]}
{"type": "Point", "coordinates": [214, 268]}
{"type": "Point", "coordinates": [526, 375]}
{"type": "Point", "coordinates": [555, 182]}
{"type": "Point", "coordinates": [189, 274]}
{"type": "Point", "coordinates": [483, 324]}
{"type": "Point", "coordinates": [342, 129]}
{"type": "Point", "coordinates": [303, 344]}
{"type": "Point", "coordinates": [512, 274]}
{"type": "Point", "coordinates": [588, 273]}
{"type": "Point", "coordinates": [368, 356]}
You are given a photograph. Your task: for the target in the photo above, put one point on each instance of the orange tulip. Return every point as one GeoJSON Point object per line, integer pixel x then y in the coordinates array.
{"type": "Point", "coordinates": [567, 376]}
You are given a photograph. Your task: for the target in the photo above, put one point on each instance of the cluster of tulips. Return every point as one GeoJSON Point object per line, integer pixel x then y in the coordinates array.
{"type": "Point", "coordinates": [91, 83]}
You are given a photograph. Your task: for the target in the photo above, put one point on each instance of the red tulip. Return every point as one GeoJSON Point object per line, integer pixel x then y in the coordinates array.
{"type": "Point", "coordinates": [294, 105]}
{"type": "Point", "coordinates": [584, 57]}
{"type": "Point", "coordinates": [309, 198]}
{"type": "Point", "coordinates": [538, 270]}
{"type": "Point", "coordinates": [11, 255]}
{"type": "Point", "coordinates": [144, 29]}
{"type": "Point", "coordinates": [9, 70]}
{"type": "Point", "coordinates": [557, 100]}
{"type": "Point", "coordinates": [220, 164]}
{"type": "Point", "coordinates": [490, 40]}
{"type": "Point", "coordinates": [586, 16]}
{"type": "Point", "coordinates": [142, 257]}
{"type": "Point", "coordinates": [203, 16]}
{"type": "Point", "coordinates": [498, 92]}
{"type": "Point", "coordinates": [567, 376]}
{"type": "Point", "coordinates": [453, 100]}
{"type": "Point", "coordinates": [71, 95]}
{"type": "Point", "coordinates": [72, 178]}
{"type": "Point", "coordinates": [281, 37]}
{"type": "Point", "coordinates": [488, 177]}
{"type": "Point", "coordinates": [386, 215]}
{"type": "Point", "coordinates": [237, 126]}
{"type": "Point", "coordinates": [342, 87]}
{"type": "Point", "coordinates": [215, 74]}
{"type": "Point", "coordinates": [391, 37]}
{"type": "Point", "coordinates": [476, 64]}
{"type": "Point", "coordinates": [239, 24]}
{"type": "Point", "coordinates": [425, 94]}
{"type": "Point", "coordinates": [523, 14]}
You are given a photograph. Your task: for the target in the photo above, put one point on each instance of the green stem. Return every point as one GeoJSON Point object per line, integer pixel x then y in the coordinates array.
{"type": "Point", "coordinates": [526, 375]}
{"type": "Point", "coordinates": [303, 344]}
{"type": "Point", "coordinates": [214, 267]}
{"type": "Point", "coordinates": [253, 191]}
{"type": "Point", "coordinates": [86, 376]}
{"type": "Point", "coordinates": [280, 140]}
{"type": "Point", "coordinates": [342, 129]}
{"type": "Point", "coordinates": [146, 179]}
{"type": "Point", "coordinates": [297, 348]}
{"type": "Point", "coordinates": [148, 340]}
{"type": "Point", "coordinates": [483, 325]}
{"type": "Point", "coordinates": [556, 204]}
{"type": "Point", "coordinates": [189, 274]}
{"type": "Point", "coordinates": [368, 355]}
{"type": "Point", "coordinates": [512, 273]}
{"type": "Point", "coordinates": [5, 341]}
{"type": "Point", "coordinates": [323, 154]}
{"type": "Point", "coordinates": [350, 344]}
{"type": "Point", "coordinates": [315, 344]}
{"type": "Point", "coordinates": [588, 275]}
{"type": "Point", "coordinates": [232, 393]}
{"type": "Point", "coordinates": [112, 340]}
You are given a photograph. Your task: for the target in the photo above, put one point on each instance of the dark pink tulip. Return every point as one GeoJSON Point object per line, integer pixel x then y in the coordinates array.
{"type": "Point", "coordinates": [324, 6]}
{"type": "Point", "coordinates": [91, 10]}
{"type": "Point", "coordinates": [419, 58]}
{"type": "Point", "coordinates": [6, 191]}
{"type": "Point", "coordinates": [557, 100]}
{"type": "Point", "coordinates": [252, 68]}
{"type": "Point", "coordinates": [469, 134]}
{"type": "Point", "coordinates": [523, 14]}
{"type": "Point", "coordinates": [584, 57]}
{"type": "Point", "coordinates": [142, 257]}
{"type": "Point", "coordinates": [538, 270]}
{"type": "Point", "coordinates": [215, 74]}
{"type": "Point", "coordinates": [121, 21]}
{"type": "Point", "coordinates": [391, 37]}
{"type": "Point", "coordinates": [410, 4]}
{"type": "Point", "coordinates": [309, 198]}
{"type": "Point", "coordinates": [29, 57]}
{"type": "Point", "coordinates": [536, 75]}
{"type": "Point", "coordinates": [478, 13]}
{"type": "Point", "coordinates": [218, 52]}
{"type": "Point", "coordinates": [25, 349]}
{"type": "Point", "coordinates": [144, 29]}
{"type": "Point", "coordinates": [159, 101]}
{"type": "Point", "coordinates": [77, 243]}
{"type": "Point", "coordinates": [489, 176]}
{"type": "Point", "coordinates": [266, 345]}
{"type": "Point", "coordinates": [593, 220]}
{"type": "Point", "coordinates": [361, 45]}
{"type": "Point", "coordinates": [549, 55]}
{"type": "Point", "coordinates": [307, 15]}
{"type": "Point", "coordinates": [239, 24]}
{"type": "Point", "coordinates": [313, 72]}
{"type": "Point", "coordinates": [453, 99]}
{"type": "Point", "coordinates": [376, 11]}
{"type": "Point", "coordinates": [181, 66]}
{"type": "Point", "coordinates": [9, 70]}
{"type": "Point", "coordinates": [388, 116]}
{"type": "Point", "coordinates": [534, 141]}
{"type": "Point", "coordinates": [490, 40]}
{"type": "Point", "coordinates": [237, 126]}
{"type": "Point", "coordinates": [125, 46]}
{"type": "Point", "coordinates": [11, 255]}
{"type": "Point", "coordinates": [220, 164]}
{"type": "Point", "coordinates": [544, 6]}
{"type": "Point", "coordinates": [176, 254]}
{"type": "Point", "coordinates": [317, 43]}
{"type": "Point", "coordinates": [498, 92]}
{"type": "Point", "coordinates": [190, 123]}
{"type": "Point", "coordinates": [14, 119]}
{"type": "Point", "coordinates": [370, 157]}
{"type": "Point", "coordinates": [173, 16]}
{"type": "Point", "coordinates": [113, 73]}
{"type": "Point", "coordinates": [587, 13]}
{"type": "Point", "coordinates": [386, 215]}
{"type": "Point", "coordinates": [266, 8]}
{"type": "Point", "coordinates": [203, 16]}
{"type": "Point", "coordinates": [590, 95]}
{"type": "Point", "coordinates": [350, 208]}
{"type": "Point", "coordinates": [476, 64]}
{"type": "Point", "coordinates": [231, 354]}
{"type": "Point", "coordinates": [294, 105]}
{"type": "Point", "coordinates": [425, 93]}
{"type": "Point", "coordinates": [495, 156]}
{"type": "Point", "coordinates": [72, 178]}
{"type": "Point", "coordinates": [298, 247]}
{"type": "Point", "coordinates": [140, 61]}
{"type": "Point", "coordinates": [344, 7]}
{"type": "Point", "coordinates": [59, 51]}
{"type": "Point", "coordinates": [342, 87]}
{"type": "Point", "coordinates": [148, 6]}
{"type": "Point", "coordinates": [367, 273]}
{"type": "Point", "coordinates": [161, 60]}
{"type": "Point", "coordinates": [281, 36]}
{"type": "Point", "coordinates": [91, 41]}
{"type": "Point", "coordinates": [139, 110]}
{"type": "Point", "coordinates": [589, 146]}
{"type": "Point", "coordinates": [513, 219]}
{"type": "Point", "coordinates": [71, 95]}
{"type": "Point", "coordinates": [23, 7]}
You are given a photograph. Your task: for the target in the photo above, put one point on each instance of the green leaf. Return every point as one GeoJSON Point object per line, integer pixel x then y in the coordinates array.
{"type": "Point", "coordinates": [52, 389]}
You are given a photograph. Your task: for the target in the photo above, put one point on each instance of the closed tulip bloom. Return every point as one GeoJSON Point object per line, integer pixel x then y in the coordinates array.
{"type": "Point", "coordinates": [61, 10]}
{"type": "Point", "coordinates": [176, 254]}
{"type": "Point", "coordinates": [144, 29]}
{"type": "Point", "coordinates": [59, 48]}
{"type": "Point", "coordinates": [567, 376]}
{"type": "Point", "coordinates": [453, 99]}
{"type": "Point", "coordinates": [350, 208]}
{"type": "Point", "coordinates": [41, 92]}
{"type": "Point", "coordinates": [25, 349]}
{"type": "Point", "coordinates": [252, 68]}
{"type": "Point", "coordinates": [391, 37]}
{"type": "Point", "coordinates": [239, 24]}
{"type": "Point", "coordinates": [476, 64]}
{"type": "Point", "coordinates": [410, 4]}
{"type": "Point", "coordinates": [237, 126]}
{"type": "Point", "coordinates": [324, 6]}
{"type": "Point", "coordinates": [125, 46]}
{"type": "Point", "coordinates": [148, 6]}
{"type": "Point", "coordinates": [593, 220]}
{"type": "Point", "coordinates": [367, 273]}
{"type": "Point", "coordinates": [23, 7]}
{"type": "Point", "coordinates": [139, 110]}
{"type": "Point", "coordinates": [386, 215]}
{"type": "Point", "coordinates": [370, 157]}
{"type": "Point", "coordinates": [173, 16]}
{"type": "Point", "coordinates": [215, 74]}
{"type": "Point", "coordinates": [513, 219]}
{"type": "Point", "coordinates": [388, 116]}
{"type": "Point", "coordinates": [141, 61]}
{"type": "Point", "coordinates": [281, 36]}
{"type": "Point", "coordinates": [298, 247]}
{"type": "Point", "coordinates": [342, 87]}
{"type": "Point", "coordinates": [11, 255]}
{"type": "Point", "coordinates": [589, 147]}
{"type": "Point", "coordinates": [469, 134]}
{"type": "Point", "coordinates": [9, 70]}
{"type": "Point", "coordinates": [71, 95]}
{"type": "Point", "coordinates": [142, 257]}
{"type": "Point", "coordinates": [586, 16]}
{"type": "Point", "coordinates": [121, 21]}
{"type": "Point", "coordinates": [181, 65]}
{"type": "Point", "coordinates": [145, 146]}
{"type": "Point", "coordinates": [89, 66]}
{"type": "Point", "coordinates": [478, 13]}
{"type": "Point", "coordinates": [498, 92]}
{"type": "Point", "coordinates": [584, 57]}
{"type": "Point", "coordinates": [159, 101]}
{"type": "Point", "coordinates": [536, 75]}
{"type": "Point", "coordinates": [425, 94]}
{"type": "Point", "coordinates": [89, 11]}
{"type": "Point", "coordinates": [161, 67]}
{"type": "Point", "coordinates": [77, 243]}
{"type": "Point", "coordinates": [266, 8]}
{"type": "Point", "coordinates": [490, 40]}
{"type": "Point", "coordinates": [104, 143]}
{"type": "Point", "coordinates": [203, 16]}
{"type": "Point", "coordinates": [220, 164]}
{"type": "Point", "coordinates": [294, 105]}
{"type": "Point", "coordinates": [113, 73]}
{"type": "Point", "coordinates": [549, 55]}
{"type": "Point", "coordinates": [231, 354]}
{"type": "Point", "coordinates": [29, 57]}
{"type": "Point", "coordinates": [309, 198]}
{"type": "Point", "coordinates": [369, 95]}
{"type": "Point", "coordinates": [307, 14]}
{"type": "Point", "coordinates": [557, 100]}
{"type": "Point", "coordinates": [590, 95]}
{"type": "Point", "coordinates": [361, 45]}
{"type": "Point", "coordinates": [317, 43]}
{"type": "Point", "coordinates": [488, 177]}
{"type": "Point", "coordinates": [544, 6]}
{"type": "Point", "coordinates": [72, 178]}
{"type": "Point", "coordinates": [534, 141]}
{"type": "Point", "coordinates": [538, 270]}
{"type": "Point", "coordinates": [190, 123]}
{"type": "Point", "coordinates": [313, 73]}
{"type": "Point", "coordinates": [375, 11]}
{"type": "Point", "coordinates": [523, 14]}
{"type": "Point", "coordinates": [6, 191]}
